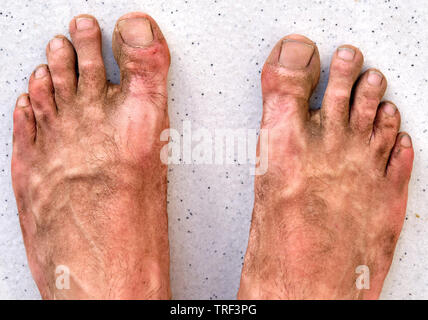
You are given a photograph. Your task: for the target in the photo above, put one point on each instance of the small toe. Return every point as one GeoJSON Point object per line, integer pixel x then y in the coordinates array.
{"type": "Point", "coordinates": [345, 67]}
{"type": "Point", "coordinates": [24, 125]}
{"type": "Point", "coordinates": [86, 36]}
{"type": "Point", "coordinates": [385, 130]}
{"type": "Point", "coordinates": [42, 95]}
{"type": "Point", "coordinates": [401, 160]}
{"type": "Point", "coordinates": [62, 67]}
{"type": "Point", "coordinates": [142, 54]}
{"type": "Point", "coordinates": [367, 96]}
{"type": "Point", "coordinates": [289, 77]}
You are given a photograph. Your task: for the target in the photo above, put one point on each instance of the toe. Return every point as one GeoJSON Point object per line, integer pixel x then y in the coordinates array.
{"type": "Point", "coordinates": [42, 95]}
{"type": "Point", "coordinates": [367, 95]}
{"type": "Point", "coordinates": [24, 125]}
{"type": "Point", "coordinates": [386, 127]}
{"type": "Point", "coordinates": [345, 67]}
{"type": "Point", "coordinates": [401, 160]}
{"type": "Point", "coordinates": [86, 36]}
{"type": "Point", "coordinates": [62, 67]}
{"type": "Point", "coordinates": [142, 54]}
{"type": "Point", "coordinates": [289, 77]}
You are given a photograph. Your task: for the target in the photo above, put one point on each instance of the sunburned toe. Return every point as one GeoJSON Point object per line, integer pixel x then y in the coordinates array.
{"type": "Point", "coordinates": [142, 54]}
{"type": "Point", "coordinates": [42, 96]}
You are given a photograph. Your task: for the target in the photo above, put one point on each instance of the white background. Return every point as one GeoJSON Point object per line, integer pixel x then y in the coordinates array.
{"type": "Point", "coordinates": [220, 46]}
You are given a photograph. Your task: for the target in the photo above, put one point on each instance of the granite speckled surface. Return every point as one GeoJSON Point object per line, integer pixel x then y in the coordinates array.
{"type": "Point", "coordinates": [218, 48]}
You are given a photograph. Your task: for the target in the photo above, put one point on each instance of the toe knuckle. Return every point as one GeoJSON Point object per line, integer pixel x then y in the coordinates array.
{"type": "Point", "coordinates": [340, 67]}
{"type": "Point", "coordinates": [37, 89]}
{"type": "Point", "coordinates": [61, 84]}
{"type": "Point", "coordinates": [90, 66]}
{"type": "Point", "coordinates": [340, 97]}
{"type": "Point", "coordinates": [63, 88]}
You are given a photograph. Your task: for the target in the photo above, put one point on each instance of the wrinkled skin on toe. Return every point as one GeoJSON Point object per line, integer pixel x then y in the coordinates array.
{"type": "Point", "coordinates": [334, 197]}
{"type": "Point", "coordinates": [86, 171]}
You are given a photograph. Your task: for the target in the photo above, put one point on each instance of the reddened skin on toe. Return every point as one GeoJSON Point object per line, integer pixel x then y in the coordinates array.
{"type": "Point", "coordinates": [42, 94]}
{"type": "Point", "coordinates": [142, 54]}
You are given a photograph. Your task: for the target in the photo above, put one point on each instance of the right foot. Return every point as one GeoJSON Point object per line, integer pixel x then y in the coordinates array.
{"type": "Point", "coordinates": [334, 197]}
{"type": "Point", "coordinates": [86, 170]}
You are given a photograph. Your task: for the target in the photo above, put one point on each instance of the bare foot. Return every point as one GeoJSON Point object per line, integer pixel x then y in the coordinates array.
{"type": "Point", "coordinates": [86, 171]}
{"type": "Point", "coordinates": [334, 197]}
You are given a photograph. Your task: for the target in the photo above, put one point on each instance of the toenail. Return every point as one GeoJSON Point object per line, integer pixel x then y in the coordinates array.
{"type": "Point", "coordinates": [56, 43]}
{"type": "Point", "coordinates": [374, 78]}
{"type": "Point", "coordinates": [296, 54]}
{"type": "Point", "coordinates": [40, 72]}
{"type": "Point", "coordinates": [84, 23]}
{"type": "Point", "coordinates": [406, 141]}
{"type": "Point", "coordinates": [389, 109]}
{"type": "Point", "coordinates": [136, 32]}
{"type": "Point", "coordinates": [23, 101]}
{"type": "Point", "coordinates": [346, 54]}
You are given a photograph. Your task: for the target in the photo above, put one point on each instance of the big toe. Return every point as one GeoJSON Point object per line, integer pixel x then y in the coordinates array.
{"type": "Point", "coordinates": [142, 54]}
{"type": "Point", "coordinates": [290, 75]}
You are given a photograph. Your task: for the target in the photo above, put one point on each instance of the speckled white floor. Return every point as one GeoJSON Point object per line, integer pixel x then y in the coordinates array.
{"type": "Point", "coordinates": [218, 48]}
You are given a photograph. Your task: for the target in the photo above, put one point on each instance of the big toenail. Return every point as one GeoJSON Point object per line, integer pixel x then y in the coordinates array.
{"type": "Point", "coordinates": [84, 23]}
{"type": "Point", "coordinates": [40, 72]}
{"type": "Point", "coordinates": [346, 54]}
{"type": "Point", "coordinates": [296, 54]}
{"type": "Point", "coordinates": [374, 78]}
{"type": "Point", "coordinates": [406, 141]}
{"type": "Point", "coordinates": [56, 43]}
{"type": "Point", "coordinates": [23, 101]}
{"type": "Point", "coordinates": [136, 32]}
{"type": "Point", "coordinates": [389, 109]}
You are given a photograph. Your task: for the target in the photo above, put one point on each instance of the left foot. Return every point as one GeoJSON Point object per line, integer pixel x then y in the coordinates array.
{"type": "Point", "coordinates": [86, 169]}
{"type": "Point", "coordinates": [334, 197]}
